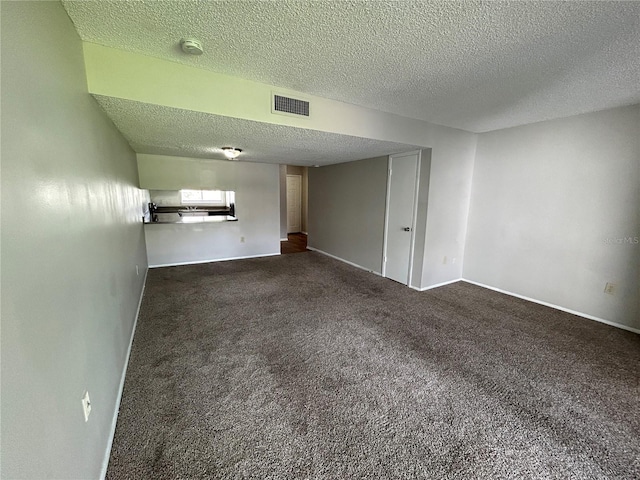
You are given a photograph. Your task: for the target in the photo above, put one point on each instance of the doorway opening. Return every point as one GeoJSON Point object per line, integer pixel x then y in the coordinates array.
{"type": "Point", "coordinates": [293, 208]}
{"type": "Point", "coordinates": [295, 243]}
{"type": "Point", "coordinates": [294, 203]}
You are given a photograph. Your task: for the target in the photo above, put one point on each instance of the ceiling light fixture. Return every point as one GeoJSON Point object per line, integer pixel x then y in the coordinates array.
{"type": "Point", "coordinates": [191, 46]}
{"type": "Point", "coordinates": [231, 153]}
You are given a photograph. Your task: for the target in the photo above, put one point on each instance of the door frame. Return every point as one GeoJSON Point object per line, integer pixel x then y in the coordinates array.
{"type": "Point", "coordinates": [414, 215]}
{"type": "Point", "coordinates": [287, 198]}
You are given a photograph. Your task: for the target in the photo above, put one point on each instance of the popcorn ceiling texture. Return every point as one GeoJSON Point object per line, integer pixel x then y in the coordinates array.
{"type": "Point", "coordinates": [156, 129]}
{"type": "Point", "coordinates": [478, 66]}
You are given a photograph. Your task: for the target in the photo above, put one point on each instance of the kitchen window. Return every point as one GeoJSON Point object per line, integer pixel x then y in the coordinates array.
{"type": "Point", "coordinates": [207, 197]}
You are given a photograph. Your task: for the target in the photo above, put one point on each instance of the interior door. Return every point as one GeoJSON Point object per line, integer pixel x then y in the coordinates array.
{"type": "Point", "coordinates": [294, 203]}
{"type": "Point", "coordinates": [402, 186]}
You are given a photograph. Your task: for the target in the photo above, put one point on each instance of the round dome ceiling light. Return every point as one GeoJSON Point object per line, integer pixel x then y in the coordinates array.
{"type": "Point", "coordinates": [231, 153]}
{"type": "Point", "coordinates": [191, 46]}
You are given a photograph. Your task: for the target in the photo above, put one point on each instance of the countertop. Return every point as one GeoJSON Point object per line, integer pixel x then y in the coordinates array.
{"type": "Point", "coordinates": [188, 218]}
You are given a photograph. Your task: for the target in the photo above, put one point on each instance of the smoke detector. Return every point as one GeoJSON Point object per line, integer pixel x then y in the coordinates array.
{"type": "Point", "coordinates": [191, 46]}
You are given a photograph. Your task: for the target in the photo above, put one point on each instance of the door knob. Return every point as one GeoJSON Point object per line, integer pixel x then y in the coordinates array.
{"type": "Point", "coordinates": [407, 229]}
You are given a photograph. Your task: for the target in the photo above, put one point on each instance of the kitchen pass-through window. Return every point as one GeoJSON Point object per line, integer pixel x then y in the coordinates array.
{"type": "Point", "coordinates": [206, 197]}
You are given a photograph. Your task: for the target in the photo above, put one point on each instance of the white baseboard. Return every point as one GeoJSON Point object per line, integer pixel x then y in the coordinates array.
{"type": "Point", "coordinates": [424, 289]}
{"type": "Point", "coordinates": [114, 421]}
{"type": "Point", "coordinates": [304, 233]}
{"type": "Point", "coordinates": [284, 239]}
{"type": "Point", "coordinates": [212, 261]}
{"type": "Point", "coordinates": [345, 261]}
{"type": "Point", "coordinates": [557, 307]}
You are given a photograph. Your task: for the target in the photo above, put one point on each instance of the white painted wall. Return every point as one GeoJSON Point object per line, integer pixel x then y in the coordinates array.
{"type": "Point", "coordinates": [164, 172]}
{"type": "Point", "coordinates": [452, 160]}
{"type": "Point", "coordinates": [257, 189]}
{"type": "Point", "coordinates": [420, 236]}
{"type": "Point", "coordinates": [72, 236]}
{"type": "Point", "coordinates": [546, 199]}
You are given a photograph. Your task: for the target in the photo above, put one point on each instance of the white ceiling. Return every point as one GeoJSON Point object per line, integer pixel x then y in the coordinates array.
{"type": "Point", "coordinates": [477, 66]}
{"type": "Point", "coordinates": [163, 130]}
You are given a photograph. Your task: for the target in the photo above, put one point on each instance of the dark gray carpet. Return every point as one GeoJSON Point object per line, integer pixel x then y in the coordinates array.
{"type": "Point", "coordinates": [303, 367]}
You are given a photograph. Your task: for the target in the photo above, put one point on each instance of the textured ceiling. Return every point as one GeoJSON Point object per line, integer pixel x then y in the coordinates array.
{"type": "Point", "coordinates": [478, 66]}
{"type": "Point", "coordinates": [171, 131]}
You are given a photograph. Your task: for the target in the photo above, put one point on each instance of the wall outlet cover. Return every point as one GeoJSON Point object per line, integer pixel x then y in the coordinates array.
{"type": "Point", "coordinates": [610, 288]}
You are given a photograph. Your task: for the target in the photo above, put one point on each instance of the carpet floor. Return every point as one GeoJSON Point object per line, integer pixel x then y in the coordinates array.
{"type": "Point", "coordinates": [301, 366]}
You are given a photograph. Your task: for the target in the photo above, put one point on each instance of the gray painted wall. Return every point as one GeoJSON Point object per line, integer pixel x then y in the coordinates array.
{"type": "Point", "coordinates": [71, 239]}
{"type": "Point", "coordinates": [551, 205]}
{"type": "Point", "coordinates": [443, 205]}
{"type": "Point", "coordinates": [346, 210]}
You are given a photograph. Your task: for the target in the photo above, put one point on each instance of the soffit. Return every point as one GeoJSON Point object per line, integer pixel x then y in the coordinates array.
{"type": "Point", "coordinates": [161, 130]}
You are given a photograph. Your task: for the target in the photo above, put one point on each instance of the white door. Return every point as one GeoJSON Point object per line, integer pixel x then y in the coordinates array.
{"type": "Point", "coordinates": [402, 187]}
{"type": "Point", "coordinates": [294, 203]}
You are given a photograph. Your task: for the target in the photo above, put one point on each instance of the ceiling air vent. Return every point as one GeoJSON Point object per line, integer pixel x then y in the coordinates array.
{"type": "Point", "coordinates": [289, 106]}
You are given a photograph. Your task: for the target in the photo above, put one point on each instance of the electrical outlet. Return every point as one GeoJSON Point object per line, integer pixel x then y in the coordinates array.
{"type": "Point", "coordinates": [453, 260]}
{"type": "Point", "coordinates": [86, 405]}
{"type": "Point", "coordinates": [241, 239]}
{"type": "Point", "coordinates": [610, 288]}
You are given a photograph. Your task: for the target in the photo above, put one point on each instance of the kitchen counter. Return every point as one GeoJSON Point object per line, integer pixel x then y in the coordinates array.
{"type": "Point", "coordinates": [190, 218]}
{"type": "Point", "coordinates": [181, 214]}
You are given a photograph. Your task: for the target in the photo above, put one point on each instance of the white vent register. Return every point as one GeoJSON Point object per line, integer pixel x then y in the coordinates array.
{"type": "Point", "coordinates": [289, 106]}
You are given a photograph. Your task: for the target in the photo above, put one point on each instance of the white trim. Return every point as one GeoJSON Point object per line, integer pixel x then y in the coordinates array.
{"type": "Point", "coordinates": [114, 421]}
{"type": "Point", "coordinates": [424, 289]}
{"type": "Point", "coordinates": [414, 218]}
{"type": "Point", "coordinates": [178, 264]}
{"type": "Point", "coordinates": [386, 219]}
{"type": "Point", "coordinates": [405, 154]}
{"type": "Point", "coordinates": [557, 307]}
{"type": "Point", "coordinates": [345, 261]}
{"type": "Point", "coordinates": [304, 233]}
